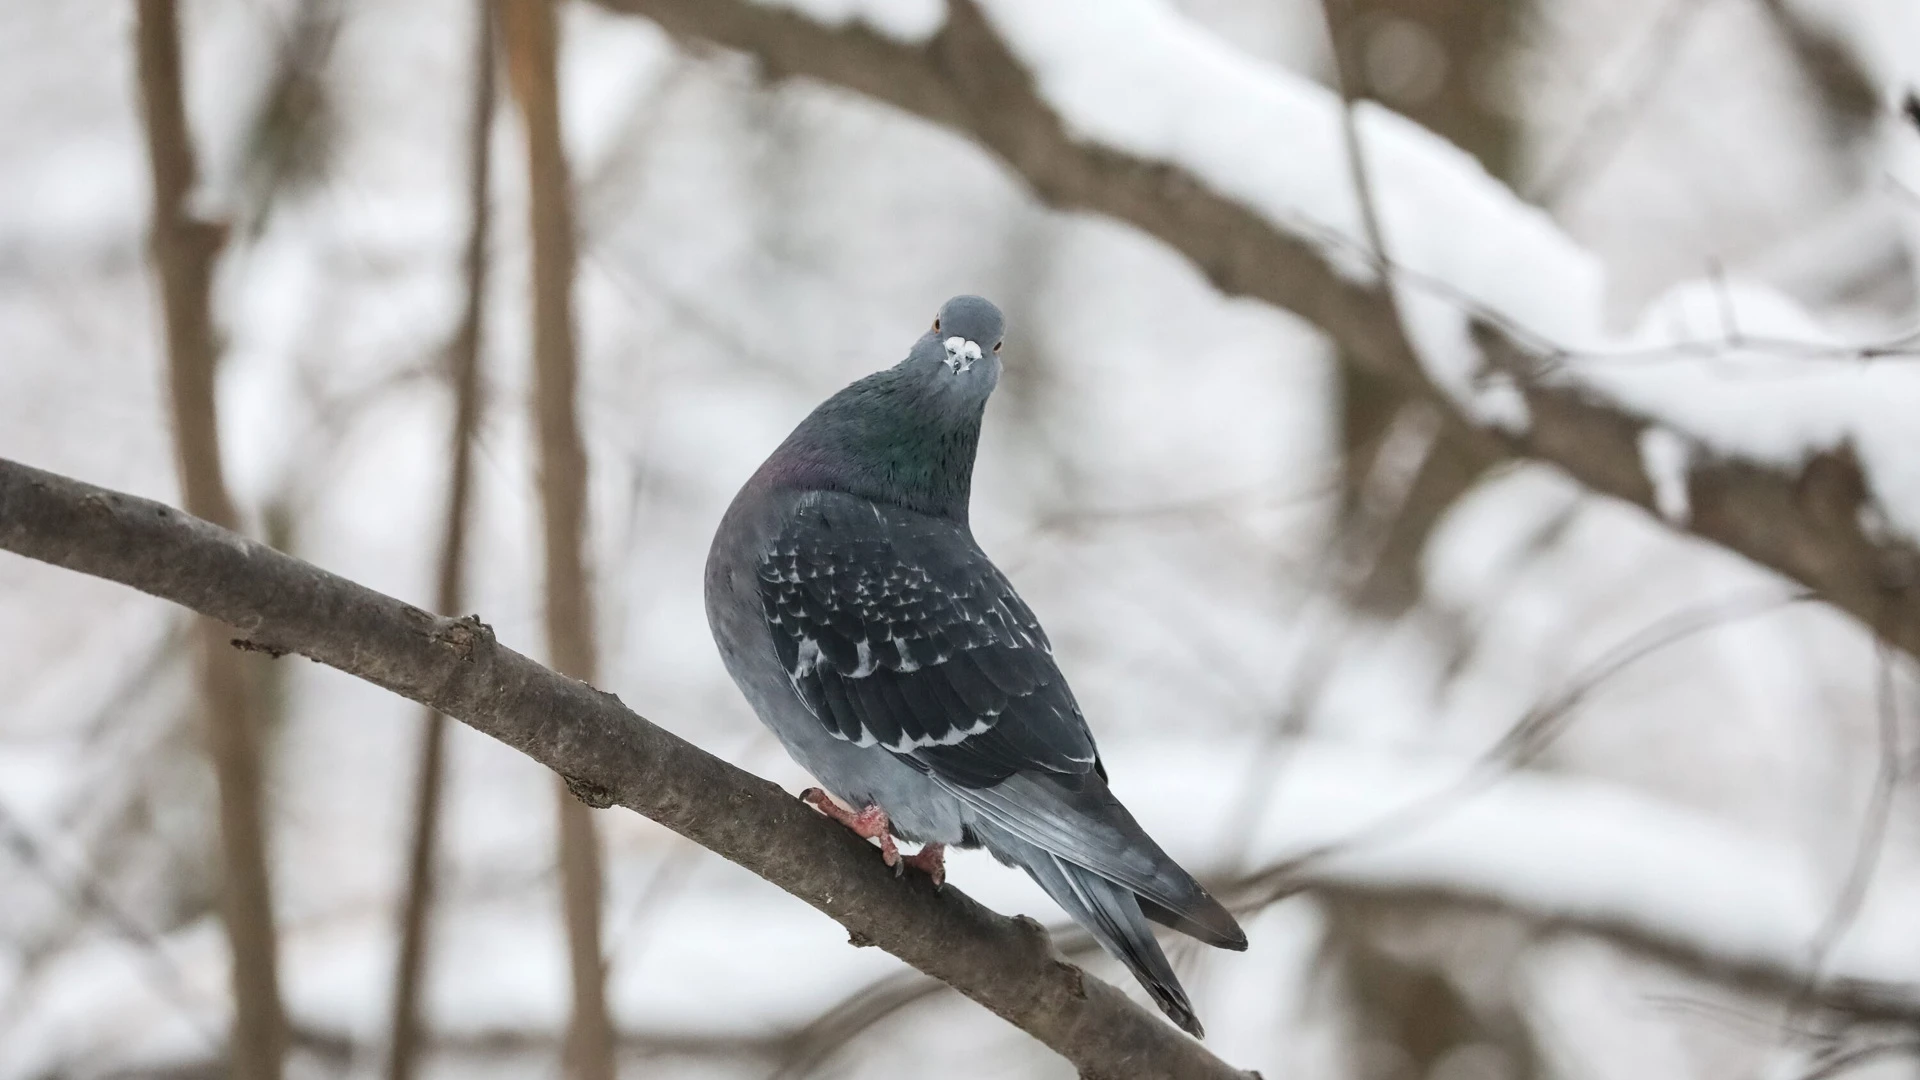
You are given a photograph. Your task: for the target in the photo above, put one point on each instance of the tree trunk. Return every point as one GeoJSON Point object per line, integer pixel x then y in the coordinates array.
{"type": "Point", "coordinates": [529, 32]}
{"type": "Point", "coordinates": [463, 375]}
{"type": "Point", "coordinates": [184, 250]}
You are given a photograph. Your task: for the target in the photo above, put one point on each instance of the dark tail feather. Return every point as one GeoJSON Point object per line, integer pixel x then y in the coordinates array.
{"type": "Point", "coordinates": [1112, 914]}
{"type": "Point", "coordinates": [1083, 823]}
{"type": "Point", "coordinates": [1204, 919]}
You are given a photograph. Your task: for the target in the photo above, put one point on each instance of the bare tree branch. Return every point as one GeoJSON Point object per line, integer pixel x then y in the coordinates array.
{"type": "Point", "coordinates": [1868, 848]}
{"type": "Point", "coordinates": [1803, 524]}
{"type": "Point", "coordinates": [463, 377]}
{"type": "Point", "coordinates": [280, 604]}
{"type": "Point", "coordinates": [529, 33]}
{"type": "Point", "coordinates": [185, 249]}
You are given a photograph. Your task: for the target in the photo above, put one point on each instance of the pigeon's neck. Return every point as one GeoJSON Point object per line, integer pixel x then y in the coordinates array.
{"type": "Point", "coordinates": [875, 439]}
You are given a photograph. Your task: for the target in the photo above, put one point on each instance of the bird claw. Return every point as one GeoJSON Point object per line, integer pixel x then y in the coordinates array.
{"type": "Point", "coordinates": [930, 860]}
{"type": "Point", "coordinates": [869, 824]}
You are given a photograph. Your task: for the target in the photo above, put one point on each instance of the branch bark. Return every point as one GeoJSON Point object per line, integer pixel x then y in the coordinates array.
{"type": "Point", "coordinates": [529, 33]}
{"type": "Point", "coordinates": [279, 604]}
{"type": "Point", "coordinates": [463, 377]}
{"type": "Point", "coordinates": [185, 249]}
{"type": "Point", "coordinates": [965, 77]}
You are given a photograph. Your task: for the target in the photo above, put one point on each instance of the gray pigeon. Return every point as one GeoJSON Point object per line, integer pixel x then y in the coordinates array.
{"type": "Point", "coordinates": [895, 661]}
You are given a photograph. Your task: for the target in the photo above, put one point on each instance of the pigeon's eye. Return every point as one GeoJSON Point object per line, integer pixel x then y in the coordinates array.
{"type": "Point", "coordinates": [936, 324]}
{"type": "Point", "coordinates": [996, 346]}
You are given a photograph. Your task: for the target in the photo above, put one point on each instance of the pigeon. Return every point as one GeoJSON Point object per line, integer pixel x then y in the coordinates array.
{"type": "Point", "coordinates": [899, 667]}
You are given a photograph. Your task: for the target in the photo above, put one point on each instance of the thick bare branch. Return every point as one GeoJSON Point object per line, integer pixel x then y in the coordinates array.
{"type": "Point", "coordinates": [280, 604]}
{"type": "Point", "coordinates": [185, 249]}
{"type": "Point", "coordinates": [1802, 523]}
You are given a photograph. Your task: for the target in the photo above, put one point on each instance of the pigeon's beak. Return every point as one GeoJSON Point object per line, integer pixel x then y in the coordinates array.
{"type": "Point", "coordinates": [961, 353]}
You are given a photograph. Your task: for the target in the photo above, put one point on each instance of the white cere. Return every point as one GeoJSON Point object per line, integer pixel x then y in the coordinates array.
{"type": "Point", "coordinates": [961, 352]}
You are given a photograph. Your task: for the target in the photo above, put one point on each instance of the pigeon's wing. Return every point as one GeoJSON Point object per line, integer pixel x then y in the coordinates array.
{"type": "Point", "coordinates": [896, 630]}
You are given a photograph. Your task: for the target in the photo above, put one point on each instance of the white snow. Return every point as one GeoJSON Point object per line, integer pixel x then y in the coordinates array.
{"type": "Point", "coordinates": [1664, 455]}
{"type": "Point", "coordinates": [1136, 76]}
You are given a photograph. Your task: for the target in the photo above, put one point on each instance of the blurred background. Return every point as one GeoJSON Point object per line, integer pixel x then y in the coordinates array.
{"type": "Point", "coordinates": [1299, 621]}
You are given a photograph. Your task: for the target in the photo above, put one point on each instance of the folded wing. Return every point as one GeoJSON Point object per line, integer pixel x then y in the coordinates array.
{"type": "Point", "coordinates": [896, 630]}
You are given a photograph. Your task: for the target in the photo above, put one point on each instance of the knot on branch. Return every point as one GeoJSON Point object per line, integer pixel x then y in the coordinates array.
{"type": "Point", "coordinates": [1031, 927]}
{"type": "Point", "coordinates": [100, 503]}
{"type": "Point", "coordinates": [589, 792]}
{"type": "Point", "coordinates": [1076, 979]}
{"type": "Point", "coordinates": [464, 635]}
{"type": "Point", "coordinates": [273, 652]}
{"type": "Point", "coordinates": [859, 940]}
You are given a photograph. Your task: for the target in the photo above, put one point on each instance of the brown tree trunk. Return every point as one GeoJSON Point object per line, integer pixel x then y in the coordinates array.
{"type": "Point", "coordinates": [528, 28]}
{"type": "Point", "coordinates": [184, 250]}
{"type": "Point", "coordinates": [463, 375]}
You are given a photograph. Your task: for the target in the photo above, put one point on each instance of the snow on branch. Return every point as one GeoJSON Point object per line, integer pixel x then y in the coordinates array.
{"type": "Point", "coordinates": [608, 754]}
{"type": "Point", "coordinates": [1777, 440]}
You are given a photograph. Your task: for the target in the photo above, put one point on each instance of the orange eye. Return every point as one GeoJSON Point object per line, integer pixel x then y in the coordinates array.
{"type": "Point", "coordinates": [936, 324]}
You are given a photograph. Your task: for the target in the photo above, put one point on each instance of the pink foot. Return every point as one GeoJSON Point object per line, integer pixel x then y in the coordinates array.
{"type": "Point", "coordinates": [870, 823]}
{"type": "Point", "coordinates": [930, 860]}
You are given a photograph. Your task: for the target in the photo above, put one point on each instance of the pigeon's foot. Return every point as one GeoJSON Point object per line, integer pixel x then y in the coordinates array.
{"type": "Point", "coordinates": [870, 823]}
{"type": "Point", "coordinates": [930, 860]}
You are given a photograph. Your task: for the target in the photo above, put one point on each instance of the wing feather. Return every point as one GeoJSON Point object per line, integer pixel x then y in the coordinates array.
{"type": "Point", "coordinates": [896, 629]}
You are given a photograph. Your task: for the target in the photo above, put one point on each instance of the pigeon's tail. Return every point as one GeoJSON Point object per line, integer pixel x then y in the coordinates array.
{"type": "Point", "coordinates": [1079, 820]}
{"type": "Point", "coordinates": [1110, 912]}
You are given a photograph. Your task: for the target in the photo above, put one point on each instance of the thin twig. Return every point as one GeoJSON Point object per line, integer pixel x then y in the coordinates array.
{"type": "Point", "coordinates": [1521, 742]}
{"type": "Point", "coordinates": [1871, 842]}
{"type": "Point", "coordinates": [1347, 66]}
{"type": "Point", "coordinates": [1841, 1061]}
{"type": "Point", "coordinates": [1604, 129]}
{"type": "Point", "coordinates": [86, 893]}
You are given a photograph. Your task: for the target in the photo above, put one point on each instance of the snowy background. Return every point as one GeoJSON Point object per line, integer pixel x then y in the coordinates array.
{"type": "Point", "coordinates": [1672, 885]}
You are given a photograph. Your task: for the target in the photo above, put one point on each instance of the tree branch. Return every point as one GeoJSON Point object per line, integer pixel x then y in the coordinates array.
{"type": "Point", "coordinates": [280, 604]}
{"type": "Point", "coordinates": [1801, 523]}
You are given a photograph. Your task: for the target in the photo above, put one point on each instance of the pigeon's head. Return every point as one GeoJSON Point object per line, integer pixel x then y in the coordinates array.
{"type": "Point", "coordinates": [959, 357]}
{"type": "Point", "coordinates": [906, 435]}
